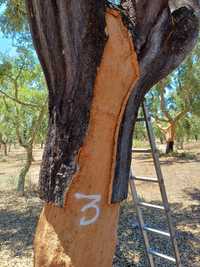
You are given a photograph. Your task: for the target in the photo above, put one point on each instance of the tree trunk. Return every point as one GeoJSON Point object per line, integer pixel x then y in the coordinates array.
{"type": "Point", "coordinates": [42, 145]}
{"type": "Point", "coordinates": [169, 147]}
{"type": "Point", "coordinates": [2, 142]}
{"type": "Point", "coordinates": [9, 147]}
{"type": "Point", "coordinates": [5, 149]}
{"type": "Point", "coordinates": [161, 140]}
{"type": "Point", "coordinates": [92, 112]}
{"type": "Point", "coordinates": [33, 159]}
{"type": "Point", "coordinates": [91, 187]}
{"type": "Point", "coordinates": [170, 138]}
{"type": "Point", "coordinates": [24, 170]}
{"type": "Point", "coordinates": [180, 142]}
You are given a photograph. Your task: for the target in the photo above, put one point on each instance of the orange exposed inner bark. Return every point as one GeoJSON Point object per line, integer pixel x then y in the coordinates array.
{"type": "Point", "coordinates": [83, 233]}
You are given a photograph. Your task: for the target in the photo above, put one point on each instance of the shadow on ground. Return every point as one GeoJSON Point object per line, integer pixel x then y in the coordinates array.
{"type": "Point", "coordinates": [18, 218]}
{"type": "Point", "coordinates": [130, 250]}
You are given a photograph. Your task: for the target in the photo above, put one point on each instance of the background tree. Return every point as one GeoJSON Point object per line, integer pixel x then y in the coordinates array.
{"type": "Point", "coordinates": [175, 97]}
{"type": "Point", "coordinates": [7, 133]}
{"type": "Point", "coordinates": [24, 101]}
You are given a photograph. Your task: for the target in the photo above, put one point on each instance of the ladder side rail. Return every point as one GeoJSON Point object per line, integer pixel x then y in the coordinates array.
{"type": "Point", "coordinates": [161, 183]}
{"type": "Point", "coordinates": [141, 221]}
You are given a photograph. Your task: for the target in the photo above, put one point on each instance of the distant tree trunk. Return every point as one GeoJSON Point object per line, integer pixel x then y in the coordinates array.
{"type": "Point", "coordinates": [33, 159]}
{"type": "Point", "coordinates": [24, 170]}
{"type": "Point", "coordinates": [4, 143]}
{"type": "Point", "coordinates": [161, 140]}
{"type": "Point", "coordinates": [91, 70]}
{"type": "Point", "coordinates": [5, 149]}
{"type": "Point", "coordinates": [170, 138]}
{"type": "Point", "coordinates": [182, 142]}
{"type": "Point", "coordinates": [9, 147]}
{"type": "Point", "coordinates": [42, 145]}
{"type": "Point", "coordinates": [28, 146]}
{"type": "Point", "coordinates": [169, 147]}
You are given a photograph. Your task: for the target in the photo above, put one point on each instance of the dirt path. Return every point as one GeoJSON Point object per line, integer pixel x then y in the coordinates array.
{"type": "Point", "coordinates": [18, 216]}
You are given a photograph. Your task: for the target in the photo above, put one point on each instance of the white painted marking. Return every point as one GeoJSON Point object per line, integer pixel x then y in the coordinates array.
{"type": "Point", "coordinates": [91, 205]}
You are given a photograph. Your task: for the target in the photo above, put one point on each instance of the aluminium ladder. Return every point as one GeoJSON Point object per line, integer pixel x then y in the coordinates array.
{"type": "Point", "coordinates": [145, 229]}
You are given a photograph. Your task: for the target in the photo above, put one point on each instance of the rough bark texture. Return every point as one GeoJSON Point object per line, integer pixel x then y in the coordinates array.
{"type": "Point", "coordinates": [69, 38]}
{"type": "Point", "coordinates": [70, 49]}
{"type": "Point", "coordinates": [162, 44]}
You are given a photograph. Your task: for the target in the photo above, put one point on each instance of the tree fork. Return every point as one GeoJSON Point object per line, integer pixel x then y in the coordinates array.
{"type": "Point", "coordinates": [161, 43]}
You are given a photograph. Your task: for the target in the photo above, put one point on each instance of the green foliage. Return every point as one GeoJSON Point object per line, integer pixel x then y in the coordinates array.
{"type": "Point", "coordinates": [13, 18]}
{"type": "Point", "coordinates": [7, 129]}
{"type": "Point", "coordinates": [14, 23]}
{"type": "Point", "coordinates": [23, 95]}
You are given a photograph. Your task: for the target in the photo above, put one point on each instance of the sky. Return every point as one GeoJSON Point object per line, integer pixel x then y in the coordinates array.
{"type": "Point", "coordinates": [117, 2]}
{"type": "Point", "coordinates": [6, 45]}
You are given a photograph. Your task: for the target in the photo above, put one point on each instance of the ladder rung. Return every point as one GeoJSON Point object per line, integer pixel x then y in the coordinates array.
{"type": "Point", "coordinates": [146, 179]}
{"type": "Point", "coordinates": [149, 205]}
{"type": "Point", "coordinates": [155, 253]}
{"type": "Point", "coordinates": [142, 150]}
{"type": "Point", "coordinates": [156, 231]}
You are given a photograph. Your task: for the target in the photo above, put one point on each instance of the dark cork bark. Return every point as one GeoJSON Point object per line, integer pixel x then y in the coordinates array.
{"type": "Point", "coordinates": [69, 38]}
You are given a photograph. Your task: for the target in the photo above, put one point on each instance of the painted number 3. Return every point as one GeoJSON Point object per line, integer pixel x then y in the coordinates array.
{"type": "Point", "coordinates": [93, 204]}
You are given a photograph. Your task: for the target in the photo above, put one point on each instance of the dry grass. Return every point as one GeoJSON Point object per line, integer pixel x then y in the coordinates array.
{"type": "Point", "coordinates": [18, 216]}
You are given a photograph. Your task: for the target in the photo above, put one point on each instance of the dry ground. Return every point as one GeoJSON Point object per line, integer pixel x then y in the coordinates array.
{"type": "Point", "coordinates": [18, 216]}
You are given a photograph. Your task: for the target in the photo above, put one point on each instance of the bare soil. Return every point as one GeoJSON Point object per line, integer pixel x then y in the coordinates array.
{"type": "Point", "coordinates": [19, 215]}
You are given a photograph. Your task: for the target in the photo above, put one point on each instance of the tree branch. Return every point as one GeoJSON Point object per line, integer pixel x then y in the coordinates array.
{"type": "Point", "coordinates": [158, 119]}
{"type": "Point", "coordinates": [38, 122]}
{"type": "Point", "coordinates": [18, 101]}
{"type": "Point", "coordinates": [161, 48]}
{"type": "Point", "coordinates": [181, 114]}
{"type": "Point", "coordinates": [17, 129]}
{"type": "Point", "coordinates": [163, 130]}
